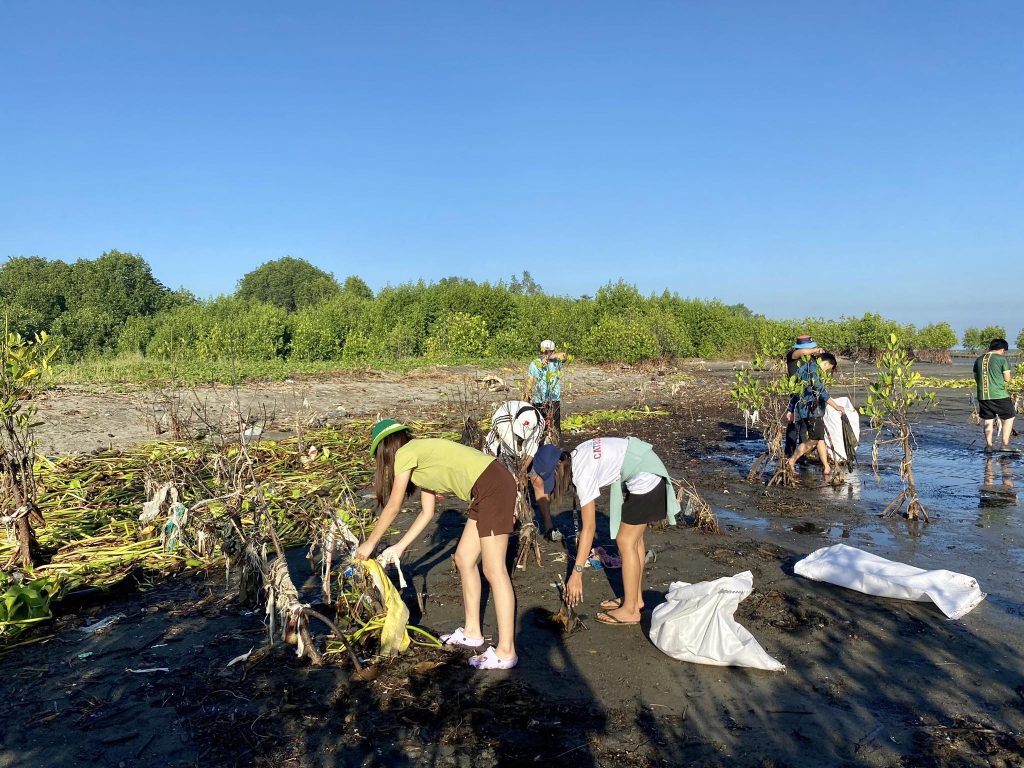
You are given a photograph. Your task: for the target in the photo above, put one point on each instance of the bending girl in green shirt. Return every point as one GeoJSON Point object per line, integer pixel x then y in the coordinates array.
{"type": "Point", "coordinates": [441, 466]}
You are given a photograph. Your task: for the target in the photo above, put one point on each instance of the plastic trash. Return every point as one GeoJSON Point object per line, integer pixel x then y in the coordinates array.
{"type": "Point", "coordinates": [387, 560]}
{"type": "Point", "coordinates": [394, 637]}
{"type": "Point", "coordinates": [696, 624]}
{"type": "Point", "coordinates": [834, 434]}
{"type": "Point", "coordinates": [955, 594]}
{"type": "Point", "coordinates": [240, 658]}
{"type": "Point", "coordinates": [99, 626]}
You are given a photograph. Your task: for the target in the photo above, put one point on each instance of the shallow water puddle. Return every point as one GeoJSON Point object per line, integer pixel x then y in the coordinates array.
{"type": "Point", "coordinates": [973, 498]}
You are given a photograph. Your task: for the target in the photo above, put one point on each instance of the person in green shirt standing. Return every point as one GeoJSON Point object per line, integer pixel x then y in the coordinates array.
{"type": "Point", "coordinates": [992, 373]}
{"type": "Point", "coordinates": [433, 465]}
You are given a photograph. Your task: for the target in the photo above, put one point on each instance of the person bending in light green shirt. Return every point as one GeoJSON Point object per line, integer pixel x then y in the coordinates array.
{"type": "Point", "coordinates": [441, 466]}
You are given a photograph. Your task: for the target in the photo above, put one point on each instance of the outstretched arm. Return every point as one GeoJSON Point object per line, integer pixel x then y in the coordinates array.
{"type": "Point", "coordinates": [574, 587]}
{"type": "Point", "coordinates": [387, 516]}
{"type": "Point", "coordinates": [428, 503]}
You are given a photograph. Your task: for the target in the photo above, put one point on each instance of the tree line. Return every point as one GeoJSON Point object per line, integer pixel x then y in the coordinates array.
{"type": "Point", "coordinates": [290, 309]}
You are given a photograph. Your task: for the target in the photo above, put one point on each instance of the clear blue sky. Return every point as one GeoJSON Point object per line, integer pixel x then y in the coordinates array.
{"type": "Point", "coordinates": [722, 149]}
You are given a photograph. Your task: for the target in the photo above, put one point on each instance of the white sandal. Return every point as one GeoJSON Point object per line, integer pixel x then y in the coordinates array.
{"type": "Point", "coordinates": [458, 637]}
{"type": "Point", "coordinates": [489, 660]}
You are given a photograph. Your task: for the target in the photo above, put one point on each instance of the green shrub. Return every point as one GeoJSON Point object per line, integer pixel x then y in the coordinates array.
{"type": "Point", "coordinates": [614, 338]}
{"type": "Point", "coordinates": [88, 331]}
{"type": "Point", "coordinates": [455, 335]}
{"type": "Point", "coordinates": [319, 331]}
{"type": "Point", "coordinates": [670, 335]}
{"type": "Point", "coordinates": [136, 334]}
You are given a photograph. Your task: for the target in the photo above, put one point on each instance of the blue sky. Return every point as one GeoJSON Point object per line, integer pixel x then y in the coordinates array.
{"type": "Point", "coordinates": [802, 158]}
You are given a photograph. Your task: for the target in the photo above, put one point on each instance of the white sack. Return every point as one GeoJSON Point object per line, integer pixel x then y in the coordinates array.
{"type": "Point", "coordinates": [834, 426]}
{"type": "Point", "coordinates": [696, 624]}
{"type": "Point", "coordinates": [954, 593]}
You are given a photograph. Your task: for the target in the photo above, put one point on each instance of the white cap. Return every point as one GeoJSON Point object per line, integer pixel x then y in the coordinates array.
{"type": "Point", "coordinates": [547, 346]}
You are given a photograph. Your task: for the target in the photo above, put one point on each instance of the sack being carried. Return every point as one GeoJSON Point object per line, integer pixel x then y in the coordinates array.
{"type": "Point", "coordinates": [696, 624]}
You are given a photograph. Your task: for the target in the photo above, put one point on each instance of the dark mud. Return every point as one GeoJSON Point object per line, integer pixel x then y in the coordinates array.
{"type": "Point", "coordinates": [869, 681]}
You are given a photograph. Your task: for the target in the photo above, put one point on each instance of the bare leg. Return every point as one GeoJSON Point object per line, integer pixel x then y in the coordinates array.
{"type": "Point", "coordinates": [629, 539]}
{"type": "Point", "coordinates": [989, 426]}
{"type": "Point", "coordinates": [1007, 431]}
{"type": "Point", "coordinates": [802, 450]}
{"type": "Point", "coordinates": [641, 554]}
{"type": "Point", "coordinates": [466, 556]}
{"type": "Point", "coordinates": [823, 456]}
{"type": "Point", "coordinates": [494, 548]}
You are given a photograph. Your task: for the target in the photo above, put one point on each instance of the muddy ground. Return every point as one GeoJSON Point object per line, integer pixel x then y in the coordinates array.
{"type": "Point", "coordinates": [869, 681]}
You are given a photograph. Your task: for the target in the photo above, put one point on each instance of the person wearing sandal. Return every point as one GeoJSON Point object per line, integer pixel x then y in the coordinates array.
{"type": "Point", "coordinates": [613, 462]}
{"type": "Point", "coordinates": [404, 464]}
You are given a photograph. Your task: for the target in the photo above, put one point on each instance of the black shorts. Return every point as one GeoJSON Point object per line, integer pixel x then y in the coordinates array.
{"type": "Point", "coordinates": [643, 508]}
{"type": "Point", "coordinates": [996, 409]}
{"type": "Point", "coordinates": [812, 429]}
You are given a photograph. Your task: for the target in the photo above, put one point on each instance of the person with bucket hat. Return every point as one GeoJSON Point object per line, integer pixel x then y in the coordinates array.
{"type": "Point", "coordinates": [545, 383]}
{"type": "Point", "coordinates": [804, 346]}
{"type": "Point", "coordinates": [616, 463]}
{"type": "Point", "coordinates": [434, 465]}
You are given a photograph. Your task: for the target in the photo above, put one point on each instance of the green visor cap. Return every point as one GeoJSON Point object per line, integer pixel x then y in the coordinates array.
{"type": "Point", "coordinates": [381, 430]}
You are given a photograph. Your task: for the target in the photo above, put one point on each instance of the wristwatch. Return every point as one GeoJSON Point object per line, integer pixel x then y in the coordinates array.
{"type": "Point", "coordinates": [578, 568]}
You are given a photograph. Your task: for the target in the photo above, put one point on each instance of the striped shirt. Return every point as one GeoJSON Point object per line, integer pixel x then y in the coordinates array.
{"type": "Point", "coordinates": [517, 428]}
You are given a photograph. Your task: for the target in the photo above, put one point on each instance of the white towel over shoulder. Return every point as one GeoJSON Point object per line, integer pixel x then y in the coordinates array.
{"type": "Point", "coordinates": [955, 594]}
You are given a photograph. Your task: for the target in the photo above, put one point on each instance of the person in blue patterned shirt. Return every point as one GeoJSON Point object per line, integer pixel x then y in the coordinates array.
{"type": "Point", "coordinates": [545, 383]}
{"type": "Point", "coordinates": [809, 410]}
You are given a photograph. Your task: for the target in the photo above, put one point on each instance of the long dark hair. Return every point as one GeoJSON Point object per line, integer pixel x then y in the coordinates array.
{"type": "Point", "coordinates": [384, 473]}
{"type": "Point", "coordinates": [564, 485]}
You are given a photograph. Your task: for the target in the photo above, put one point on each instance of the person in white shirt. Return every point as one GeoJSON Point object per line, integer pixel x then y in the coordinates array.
{"type": "Point", "coordinates": [600, 463]}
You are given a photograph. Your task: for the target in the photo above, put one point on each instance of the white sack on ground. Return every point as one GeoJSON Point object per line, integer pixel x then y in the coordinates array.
{"type": "Point", "coordinates": [696, 624]}
{"type": "Point", "coordinates": [954, 593]}
{"type": "Point", "coordinates": [834, 426]}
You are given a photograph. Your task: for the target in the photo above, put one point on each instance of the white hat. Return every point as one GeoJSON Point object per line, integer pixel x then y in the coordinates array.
{"type": "Point", "coordinates": [547, 346]}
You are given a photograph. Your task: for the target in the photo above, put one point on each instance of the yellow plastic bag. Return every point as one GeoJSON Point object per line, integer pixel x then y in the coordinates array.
{"type": "Point", "coordinates": [394, 638]}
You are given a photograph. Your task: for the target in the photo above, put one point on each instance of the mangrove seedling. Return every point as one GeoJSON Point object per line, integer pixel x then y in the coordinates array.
{"type": "Point", "coordinates": [25, 363]}
{"type": "Point", "coordinates": [892, 396]}
{"type": "Point", "coordinates": [762, 393]}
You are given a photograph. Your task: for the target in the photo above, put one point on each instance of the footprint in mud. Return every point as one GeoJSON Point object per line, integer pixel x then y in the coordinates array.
{"type": "Point", "coordinates": [727, 556]}
{"type": "Point", "coordinates": [782, 611]}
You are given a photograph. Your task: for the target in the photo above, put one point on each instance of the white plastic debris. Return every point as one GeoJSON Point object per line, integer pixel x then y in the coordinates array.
{"type": "Point", "coordinates": [955, 594]}
{"type": "Point", "coordinates": [102, 624]}
{"type": "Point", "coordinates": [240, 658]}
{"type": "Point", "coordinates": [696, 624]}
{"type": "Point", "coordinates": [390, 559]}
{"type": "Point", "coordinates": [833, 420]}
{"type": "Point", "coordinates": [151, 509]}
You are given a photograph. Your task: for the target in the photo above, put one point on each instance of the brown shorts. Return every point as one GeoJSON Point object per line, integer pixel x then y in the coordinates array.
{"type": "Point", "coordinates": [493, 504]}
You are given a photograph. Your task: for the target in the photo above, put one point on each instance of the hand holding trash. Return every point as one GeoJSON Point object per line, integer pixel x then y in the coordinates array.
{"type": "Point", "coordinates": [364, 551]}
{"type": "Point", "coordinates": [393, 556]}
{"type": "Point", "coordinates": [574, 589]}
